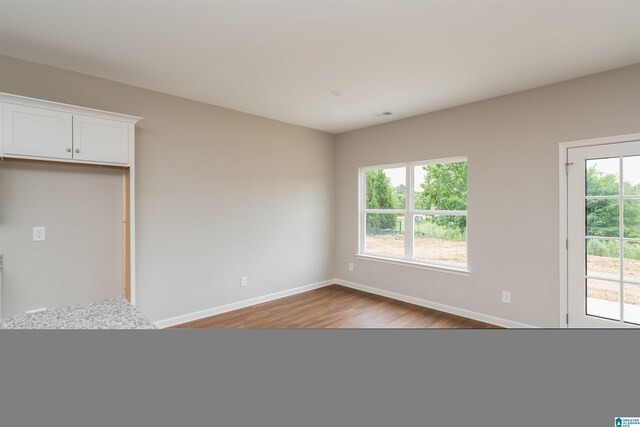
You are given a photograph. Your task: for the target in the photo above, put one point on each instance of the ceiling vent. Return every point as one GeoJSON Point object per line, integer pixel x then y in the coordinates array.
{"type": "Point", "coordinates": [384, 114]}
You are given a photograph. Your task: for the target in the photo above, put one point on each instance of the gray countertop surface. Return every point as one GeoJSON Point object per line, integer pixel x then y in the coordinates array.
{"type": "Point", "coordinates": [113, 313]}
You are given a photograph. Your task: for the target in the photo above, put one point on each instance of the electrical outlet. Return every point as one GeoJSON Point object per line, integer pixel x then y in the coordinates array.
{"type": "Point", "coordinates": [506, 297]}
{"type": "Point", "coordinates": [39, 233]}
{"type": "Point", "coordinates": [244, 281]}
{"type": "Point", "coordinates": [350, 266]}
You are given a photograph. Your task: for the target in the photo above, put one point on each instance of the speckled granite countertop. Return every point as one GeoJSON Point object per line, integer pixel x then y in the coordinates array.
{"type": "Point", "coordinates": [114, 313]}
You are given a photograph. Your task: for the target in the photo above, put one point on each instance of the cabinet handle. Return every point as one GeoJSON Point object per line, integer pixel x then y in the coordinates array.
{"type": "Point", "coordinates": [68, 150]}
{"type": "Point", "coordinates": [77, 151]}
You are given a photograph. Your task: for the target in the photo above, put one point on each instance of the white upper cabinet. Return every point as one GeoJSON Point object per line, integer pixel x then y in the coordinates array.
{"type": "Point", "coordinates": [100, 140]}
{"type": "Point", "coordinates": [31, 131]}
{"type": "Point", "coordinates": [46, 130]}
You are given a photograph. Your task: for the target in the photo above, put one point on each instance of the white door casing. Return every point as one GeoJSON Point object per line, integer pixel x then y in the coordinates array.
{"type": "Point", "coordinates": [601, 292]}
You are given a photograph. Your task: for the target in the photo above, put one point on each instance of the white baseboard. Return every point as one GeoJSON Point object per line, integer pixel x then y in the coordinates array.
{"type": "Point", "coordinates": [184, 318]}
{"type": "Point", "coordinates": [498, 321]}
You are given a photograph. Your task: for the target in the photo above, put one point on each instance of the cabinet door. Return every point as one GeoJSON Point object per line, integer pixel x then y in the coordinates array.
{"type": "Point", "coordinates": [37, 132]}
{"type": "Point", "coordinates": [100, 140]}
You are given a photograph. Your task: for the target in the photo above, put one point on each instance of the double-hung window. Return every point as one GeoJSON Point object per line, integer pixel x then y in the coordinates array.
{"type": "Point", "coordinates": [415, 212]}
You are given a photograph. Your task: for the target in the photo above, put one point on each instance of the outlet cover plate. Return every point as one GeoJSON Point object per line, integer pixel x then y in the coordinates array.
{"type": "Point", "coordinates": [506, 297]}
{"type": "Point", "coordinates": [39, 234]}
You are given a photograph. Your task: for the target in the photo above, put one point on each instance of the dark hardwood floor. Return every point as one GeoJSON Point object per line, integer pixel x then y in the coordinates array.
{"type": "Point", "coordinates": [335, 306]}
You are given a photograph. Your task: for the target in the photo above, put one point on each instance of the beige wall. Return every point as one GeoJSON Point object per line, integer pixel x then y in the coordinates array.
{"type": "Point", "coordinates": [223, 194]}
{"type": "Point", "coordinates": [81, 258]}
{"type": "Point", "coordinates": [512, 147]}
{"type": "Point", "coordinates": [220, 194]}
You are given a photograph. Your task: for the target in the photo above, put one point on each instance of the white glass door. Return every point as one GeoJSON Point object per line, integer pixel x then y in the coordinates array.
{"type": "Point", "coordinates": [604, 236]}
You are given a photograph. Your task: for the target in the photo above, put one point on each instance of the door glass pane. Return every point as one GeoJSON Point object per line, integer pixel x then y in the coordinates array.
{"type": "Point", "coordinates": [386, 188]}
{"type": "Point", "coordinates": [603, 258]}
{"type": "Point", "coordinates": [632, 261]}
{"type": "Point", "coordinates": [603, 299]}
{"type": "Point", "coordinates": [631, 172]}
{"type": "Point", "coordinates": [632, 303]}
{"type": "Point", "coordinates": [632, 218]}
{"type": "Point", "coordinates": [385, 234]}
{"type": "Point", "coordinates": [603, 218]}
{"type": "Point", "coordinates": [440, 186]}
{"type": "Point", "coordinates": [440, 238]}
{"type": "Point", "coordinates": [603, 177]}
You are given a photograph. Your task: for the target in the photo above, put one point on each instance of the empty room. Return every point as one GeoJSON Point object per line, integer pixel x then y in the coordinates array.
{"type": "Point", "coordinates": [339, 164]}
{"type": "Point", "coordinates": [197, 166]}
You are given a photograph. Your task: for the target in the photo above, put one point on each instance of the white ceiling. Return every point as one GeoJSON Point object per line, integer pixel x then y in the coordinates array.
{"type": "Point", "coordinates": [281, 59]}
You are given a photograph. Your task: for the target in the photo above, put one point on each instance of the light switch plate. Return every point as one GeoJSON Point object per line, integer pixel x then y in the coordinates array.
{"type": "Point", "coordinates": [39, 233]}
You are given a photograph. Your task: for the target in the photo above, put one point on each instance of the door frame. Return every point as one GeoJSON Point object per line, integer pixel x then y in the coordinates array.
{"type": "Point", "coordinates": [564, 216]}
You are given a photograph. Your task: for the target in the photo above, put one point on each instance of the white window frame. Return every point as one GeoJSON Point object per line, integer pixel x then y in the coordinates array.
{"type": "Point", "coordinates": [409, 212]}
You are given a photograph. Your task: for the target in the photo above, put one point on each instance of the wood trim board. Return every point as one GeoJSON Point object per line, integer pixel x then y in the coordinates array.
{"type": "Point", "coordinates": [126, 235]}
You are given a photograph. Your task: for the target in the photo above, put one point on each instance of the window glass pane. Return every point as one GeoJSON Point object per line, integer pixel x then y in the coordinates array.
{"type": "Point", "coordinates": [440, 238]}
{"type": "Point", "coordinates": [603, 299]}
{"type": "Point", "coordinates": [603, 177]}
{"type": "Point", "coordinates": [385, 234]}
{"type": "Point", "coordinates": [441, 186]}
{"type": "Point", "coordinates": [632, 303]}
{"type": "Point", "coordinates": [632, 261]}
{"type": "Point", "coordinates": [631, 172]}
{"type": "Point", "coordinates": [603, 258]}
{"type": "Point", "coordinates": [386, 188]}
{"type": "Point", "coordinates": [632, 218]}
{"type": "Point", "coordinates": [603, 218]}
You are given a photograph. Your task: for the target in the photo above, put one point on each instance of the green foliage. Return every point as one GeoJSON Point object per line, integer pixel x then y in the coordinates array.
{"type": "Point", "coordinates": [632, 250]}
{"type": "Point", "coordinates": [599, 184]}
{"type": "Point", "coordinates": [603, 216]}
{"type": "Point", "coordinates": [380, 195]}
{"type": "Point", "coordinates": [611, 249]}
{"type": "Point", "coordinates": [400, 193]}
{"type": "Point", "coordinates": [606, 248]}
{"type": "Point", "coordinates": [631, 189]}
{"type": "Point", "coordinates": [445, 188]}
{"type": "Point", "coordinates": [383, 221]}
{"type": "Point", "coordinates": [379, 191]}
{"type": "Point", "coordinates": [632, 218]}
{"type": "Point", "coordinates": [428, 228]}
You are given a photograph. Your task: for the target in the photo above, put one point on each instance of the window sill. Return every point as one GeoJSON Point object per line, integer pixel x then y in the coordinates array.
{"type": "Point", "coordinates": [402, 262]}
